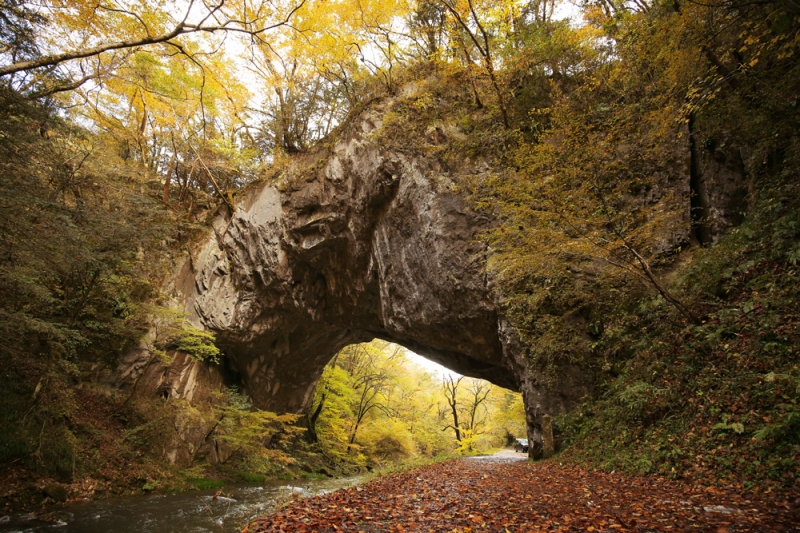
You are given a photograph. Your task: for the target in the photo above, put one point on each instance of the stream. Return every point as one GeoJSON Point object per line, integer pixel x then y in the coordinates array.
{"type": "Point", "coordinates": [186, 512]}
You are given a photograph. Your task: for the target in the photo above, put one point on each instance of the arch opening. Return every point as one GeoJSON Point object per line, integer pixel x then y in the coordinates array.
{"type": "Point", "coordinates": [377, 401]}
{"type": "Point", "coordinates": [356, 241]}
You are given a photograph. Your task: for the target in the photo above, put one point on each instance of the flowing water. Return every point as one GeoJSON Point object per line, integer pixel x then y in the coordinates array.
{"type": "Point", "coordinates": [187, 512]}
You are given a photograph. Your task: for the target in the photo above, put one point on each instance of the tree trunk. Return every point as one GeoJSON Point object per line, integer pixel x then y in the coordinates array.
{"type": "Point", "coordinates": [455, 422]}
{"type": "Point", "coordinates": [311, 434]}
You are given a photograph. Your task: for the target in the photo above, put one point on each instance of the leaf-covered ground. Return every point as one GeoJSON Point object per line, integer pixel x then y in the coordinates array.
{"type": "Point", "coordinates": [494, 494]}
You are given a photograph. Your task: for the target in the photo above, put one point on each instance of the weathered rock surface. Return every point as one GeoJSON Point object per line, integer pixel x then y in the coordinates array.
{"type": "Point", "coordinates": [358, 240]}
{"type": "Point", "coordinates": [56, 492]}
{"type": "Point", "coordinates": [719, 191]}
{"type": "Point", "coordinates": [355, 242]}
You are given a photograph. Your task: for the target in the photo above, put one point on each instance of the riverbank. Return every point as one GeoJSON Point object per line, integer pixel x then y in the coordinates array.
{"type": "Point", "coordinates": [33, 503]}
{"type": "Point", "coordinates": [23, 492]}
{"type": "Point", "coordinates": [503, 493]}
{"type": "Point", "coordinates": [217, 511]}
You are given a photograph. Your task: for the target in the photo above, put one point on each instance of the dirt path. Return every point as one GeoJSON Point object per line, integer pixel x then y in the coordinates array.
{"type": "Point", "coordinates": [505, 494]}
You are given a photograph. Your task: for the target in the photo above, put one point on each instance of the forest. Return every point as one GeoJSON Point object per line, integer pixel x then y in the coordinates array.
{"type": "Point", "coordinates": [639, 162]}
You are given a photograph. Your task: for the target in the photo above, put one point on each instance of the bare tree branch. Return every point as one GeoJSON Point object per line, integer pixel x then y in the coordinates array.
{"type": "Point", "coordinates": [182, 28]}
{"type": "Point", "coordinates": [485, 51]}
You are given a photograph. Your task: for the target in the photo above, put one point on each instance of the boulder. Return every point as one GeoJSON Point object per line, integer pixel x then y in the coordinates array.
{"type": "Point", "coordinates": [55, 492]}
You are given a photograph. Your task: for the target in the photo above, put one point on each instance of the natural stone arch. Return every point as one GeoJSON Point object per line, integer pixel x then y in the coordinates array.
{"type": "Point", "coordinates": [354, 242]}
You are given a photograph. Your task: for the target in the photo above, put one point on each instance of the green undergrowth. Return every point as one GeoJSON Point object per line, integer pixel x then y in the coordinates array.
{"type": "Point", "coordinates": [718, 401]}
{"type": "Point", "coordinates": [85, 248]}
{"type": "Point", "coordinates": [252, 478]}
{"type": "Point", "coordinates": [207, 483]}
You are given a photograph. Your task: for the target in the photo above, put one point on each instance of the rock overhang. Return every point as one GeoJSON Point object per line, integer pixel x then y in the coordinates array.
{"type": "Point", "coordinates": [356, 241]}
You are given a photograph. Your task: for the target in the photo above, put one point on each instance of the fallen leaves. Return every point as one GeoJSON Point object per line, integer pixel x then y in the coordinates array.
{"type": "Point", "coordinates": [476, 495]}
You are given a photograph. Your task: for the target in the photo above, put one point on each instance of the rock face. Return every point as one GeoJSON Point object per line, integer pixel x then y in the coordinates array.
{"type": "Point", "coordinates": [355, 242]}
{"type": "Point", "coordinates": [719, 191]}
{"type": "Point", "coordinates": [358, 240]}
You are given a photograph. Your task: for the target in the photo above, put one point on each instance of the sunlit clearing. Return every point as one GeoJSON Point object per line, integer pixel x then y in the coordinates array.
{"type": "Point", "coordinates": [377, 403]}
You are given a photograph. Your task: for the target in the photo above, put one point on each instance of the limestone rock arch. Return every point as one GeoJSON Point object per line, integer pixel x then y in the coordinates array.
{"type": "Point", "coordinates": [356, 241]}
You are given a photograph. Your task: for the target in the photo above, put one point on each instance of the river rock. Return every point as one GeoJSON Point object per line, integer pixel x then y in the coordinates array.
{"type": "Point", "coordinates": [55, 492]}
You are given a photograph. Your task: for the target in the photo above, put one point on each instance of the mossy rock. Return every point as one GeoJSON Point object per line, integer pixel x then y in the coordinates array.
{"type": "Point", "coordinates": [55, 492]}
